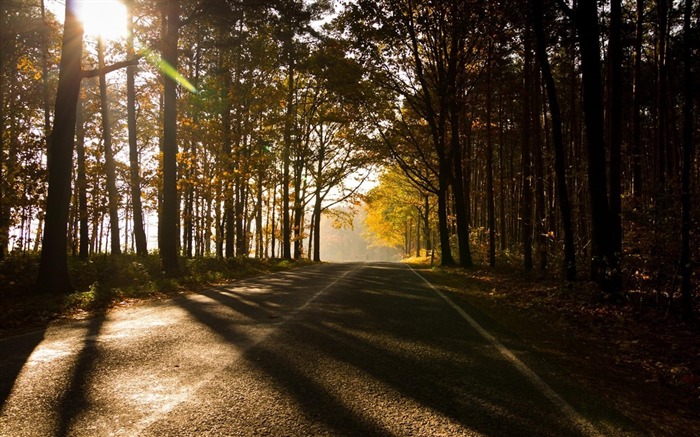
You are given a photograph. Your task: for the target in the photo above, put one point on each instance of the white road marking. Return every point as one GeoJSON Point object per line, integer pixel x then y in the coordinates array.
{"type": "Point", "coordinates": [583, 424]}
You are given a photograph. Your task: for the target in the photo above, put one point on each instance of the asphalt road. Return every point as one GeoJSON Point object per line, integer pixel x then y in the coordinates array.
{"type": "Point", "coordinates": [332, 349]}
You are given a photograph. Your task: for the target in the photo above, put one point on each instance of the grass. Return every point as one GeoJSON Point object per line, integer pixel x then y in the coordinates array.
{"type": "Point", "coordinates": [104, 281]}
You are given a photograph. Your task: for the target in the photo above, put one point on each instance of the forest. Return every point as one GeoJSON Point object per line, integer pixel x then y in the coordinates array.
{"type": "Point", "coordinates": [548, 136]}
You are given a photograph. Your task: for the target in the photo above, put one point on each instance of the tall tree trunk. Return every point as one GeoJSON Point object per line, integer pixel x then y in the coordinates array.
{"type": "Point", "coordinates": [559, 151]}
{"type": "Point", "coordinates": [134, 173]}
{"type": "Point", "coordinates": [273, 221]}
{"type": "Point", "coordinates": [241, 195]}
{"type": "Point", "coordinates": [4, 203]}
{"type": "Point", "coordinates": [540, 204]}
{"type": "Point", "coordinates": [604, 264]}
{"type": "Point", "coordinates": [426, 224]}
{"type": "Point", "coordinates": [45, 75]}
{"type": "Point", "coordinates": [637, 104]}
{"type": "Point", "coordinates": [501, 176]}
{"type": "Point", "coordinates": [461, 208]}
{"type": "Point", "coordinates": [53, 264]}
{"type": "Point", "coordinates": [685, 262]}
{"type": "Point", "coordinates": [661, 91]}
{"type": "Point", "coordinates": [81, 182]}
{"type": "Point", "coordinates": [169, 214]}
{"type": "Point", "coordinates": [299, 195]}
{"type": "Point", "coordinates": [318, 200]}
{"type": "Point", "coordinates": [228, 227]}
{"type": "Point", "coordinates": [526, 213]}
{"type": "Point", "coordinates": [490, 195]}
{"type": "Point", "coordinates": [615, 124]}
{"type": "Point", "coordinates": [287, 140]}
{"type": "Point", "coordinates": [110, 169]}
{"type": "Point", "coordinates": [443, 227]}
{"type": "Point", "coordinates": [259, 215]}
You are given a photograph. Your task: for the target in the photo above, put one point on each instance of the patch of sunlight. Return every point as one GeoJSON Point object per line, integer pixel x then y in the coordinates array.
{"type": "Point", "coordinates": [51, 352]}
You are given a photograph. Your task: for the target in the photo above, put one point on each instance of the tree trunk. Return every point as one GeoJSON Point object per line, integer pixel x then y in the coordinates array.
{"type": "Point", "coordinates": [259, 215]}
{"type": "Point", "coordinates": [685, 262]}
{"type": "Point", "coordinates": [169, 215]}
{"type": "Point", "coordinates": [318, 200]}
{"type": "Point", "coordinates": [662, 90]}
{"type": "Point", "coordinates": [426, 224]}
{"type": "Point", "coordinates": [135, 177]}
{"type": "Point", "coordinates": [604, 266]}
{"type": "Point", "coordinates": [443, 228]}
{"type": "Point", "coordinates": [241, 195]}
{"type": "Point", "coordinates": [526, 213]}
{"type": "Point", "coordinates": [615, 125]}
{"type": "Point", "coordinates": [4, 216]}
{"type": "Point", "coordinates": [82, 182]}
{"type": "Point", "coordinates": [287, 140]}
{"type": "Point", "coordinates": [490, 196]}
{"type": "Point", "coordinates": [465, 257]}
{"type": "Point", "coordinates": [637, 105]}
{"type": "Point", "coordinates": [299, 195]}
{"type": "Point", "coordinates": [45, 75]}
{"type": "Point", "coordinates": [559, 152]}
{"type": "Point", "coordinates": [53, 264]}
{"type": "Point", "coordinates": [110, 169]}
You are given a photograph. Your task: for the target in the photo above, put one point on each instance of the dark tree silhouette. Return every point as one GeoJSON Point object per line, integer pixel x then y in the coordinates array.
{"type": "Point", "coordinates": [53, 265]}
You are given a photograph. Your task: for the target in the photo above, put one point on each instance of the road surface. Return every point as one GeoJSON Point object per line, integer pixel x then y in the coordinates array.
{"type": "Point", "coordinates": [359, 349]}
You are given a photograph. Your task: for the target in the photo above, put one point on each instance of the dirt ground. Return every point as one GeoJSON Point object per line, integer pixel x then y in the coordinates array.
{"type": "Point", "coordinates": [644, 362]}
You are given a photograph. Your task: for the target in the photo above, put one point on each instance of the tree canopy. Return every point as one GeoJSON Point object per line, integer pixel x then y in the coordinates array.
{"type": "Point", "coordinates": [557, 133]}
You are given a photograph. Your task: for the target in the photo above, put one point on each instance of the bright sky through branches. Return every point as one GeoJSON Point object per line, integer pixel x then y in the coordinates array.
{"type": "Point", "coordinates": [105, 18]}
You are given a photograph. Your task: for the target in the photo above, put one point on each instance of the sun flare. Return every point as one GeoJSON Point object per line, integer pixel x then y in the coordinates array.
{"type": "Point", "coordinates": [105, 18]}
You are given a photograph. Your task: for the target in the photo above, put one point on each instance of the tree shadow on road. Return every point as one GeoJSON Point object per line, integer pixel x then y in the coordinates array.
{"type": "Point", "coordinates": [74, 400]}
{"type": "Point", "coordinates": [265, 304]}
{"type": "Point", "coordinates": [403, 340]}
{"type": "Point", "coordinates": [14, 354]}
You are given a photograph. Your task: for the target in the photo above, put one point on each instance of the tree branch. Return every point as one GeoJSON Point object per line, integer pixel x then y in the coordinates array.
{"type": "Point", "coordinates": [200, 10]}
{"type": "Point", "coordinates": [566, 8]}
{"type": "Point", "coordinates": [110, 68]}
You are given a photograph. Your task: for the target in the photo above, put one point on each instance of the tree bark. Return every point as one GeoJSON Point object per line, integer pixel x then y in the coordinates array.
{"type": "Point", "coordinates": [490, 195]}
{"type": "Point", "coordinates": [4, 216]}
{"type": "Point", "coordinates": [287, 140]}
{"type": "Point", "coordinates": [169, 214]}
{"type": "Point", "coordinates": [110, 170]}
{"type": "Point", "coordinates": [604, 264]}
{"type": "Point", "coordinates": [81, 182]}
{"type": "Point", "coordinates": [615, 124]}
{"type": "Point", "coordinates": [559, 151]}
{"type": "Point", "coordinates": [461, 208]}
{"type": "Point", "coordinates": [135, 178]}
{"type": "Point", "coordinates": [688, 151]}
{"type": "Point", "coordinates": [637, 104]}
{"type": "Point", "coordinates": [53, 264]}
{"type": "Point", "coordinates": [526, 214]}
{"type": "Point", "coordinates": [661, 91]}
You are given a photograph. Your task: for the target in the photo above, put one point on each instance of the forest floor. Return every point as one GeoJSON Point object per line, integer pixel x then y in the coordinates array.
{"type": "Point", "coordinates": [112, 281]}
{"type": "Point", "coordinates": [644, 362]}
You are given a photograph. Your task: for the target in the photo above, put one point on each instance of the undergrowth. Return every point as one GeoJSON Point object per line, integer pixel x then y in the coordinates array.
{"type": "Point", "coordinates": [107, 280]}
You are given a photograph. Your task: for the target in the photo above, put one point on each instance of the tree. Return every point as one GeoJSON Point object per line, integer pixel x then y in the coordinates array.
{"type": "Point", "coordinates": [169, 209]}
{"type": "Point", "coordinates": [688, 151]}
{"type": "Point", "coordinates": [559, 152]}
{"type": "Point", "coordinates": [135, 177]}
{"type": "Point", "coordinates": [605, 267]}
{"type": "Point", "coordinates": [110, 169]}
{"type": "Point", "coordinates": [53, 265]}
{"type": "Point", "coordinates": [526, 204]}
